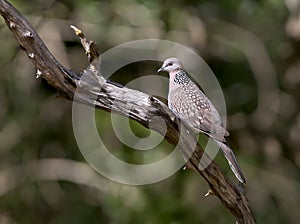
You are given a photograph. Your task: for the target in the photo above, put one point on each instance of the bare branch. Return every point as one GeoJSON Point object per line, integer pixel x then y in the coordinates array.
{"type": "Point", "coordinates": [145, 107]}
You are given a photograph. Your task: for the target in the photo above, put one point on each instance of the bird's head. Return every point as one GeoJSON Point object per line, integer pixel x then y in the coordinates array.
{"type": "Point", "coordinates": [170, 65]}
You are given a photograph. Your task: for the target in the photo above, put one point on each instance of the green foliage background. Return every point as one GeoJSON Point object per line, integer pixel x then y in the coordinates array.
{"type": "Point", "coordinates": [45, 179]}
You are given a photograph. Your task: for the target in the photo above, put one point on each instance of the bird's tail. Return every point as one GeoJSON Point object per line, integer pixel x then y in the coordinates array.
{"type": "Point", "coordinates": [229, 155]}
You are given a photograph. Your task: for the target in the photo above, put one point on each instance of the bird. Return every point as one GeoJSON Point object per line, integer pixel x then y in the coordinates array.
{"type": "Point", "coordinates": [191, 105]}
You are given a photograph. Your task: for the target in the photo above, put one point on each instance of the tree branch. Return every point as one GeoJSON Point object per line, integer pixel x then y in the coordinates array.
{"type": "Point", "coordinates": [145, 107]}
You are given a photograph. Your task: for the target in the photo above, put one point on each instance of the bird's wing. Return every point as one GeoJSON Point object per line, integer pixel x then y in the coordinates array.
{"type": "Point", "coordinates": [192, 106]}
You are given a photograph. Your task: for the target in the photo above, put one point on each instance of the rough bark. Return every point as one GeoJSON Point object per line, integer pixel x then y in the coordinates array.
{"type": "Point", "coordinates": [115, 98]}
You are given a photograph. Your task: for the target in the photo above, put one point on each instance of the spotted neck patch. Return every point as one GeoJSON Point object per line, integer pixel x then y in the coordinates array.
{"type": "Point", "coordinates": [181, 78]}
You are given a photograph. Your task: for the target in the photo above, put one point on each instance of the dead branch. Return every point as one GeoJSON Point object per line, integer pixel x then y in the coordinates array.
{"type": "Point", "coordinates": [145, 107]}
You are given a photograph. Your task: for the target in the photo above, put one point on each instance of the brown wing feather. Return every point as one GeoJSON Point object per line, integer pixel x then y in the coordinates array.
{"type": "Point", "coordinates": [192, 106]}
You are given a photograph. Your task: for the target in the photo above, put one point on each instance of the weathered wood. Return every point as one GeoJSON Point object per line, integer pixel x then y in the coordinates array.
{"type": "Point", "coordinates": [113, 97]}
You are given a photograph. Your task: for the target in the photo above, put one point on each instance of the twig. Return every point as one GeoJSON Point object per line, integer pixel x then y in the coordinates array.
{"type": "Point", "coordinates": [90, 47]}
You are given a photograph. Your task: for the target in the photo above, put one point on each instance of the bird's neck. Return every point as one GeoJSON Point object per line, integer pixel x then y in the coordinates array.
{"type": "Point", "coordinates": [179, 77]}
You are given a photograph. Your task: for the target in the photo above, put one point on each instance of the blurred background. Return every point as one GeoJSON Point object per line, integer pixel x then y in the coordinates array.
{"type": "Point", "coordinates": [251, 45]}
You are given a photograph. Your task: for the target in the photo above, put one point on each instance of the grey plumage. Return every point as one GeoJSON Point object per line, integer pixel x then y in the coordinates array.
{"type": "Point", "coordinates": [191, 105]}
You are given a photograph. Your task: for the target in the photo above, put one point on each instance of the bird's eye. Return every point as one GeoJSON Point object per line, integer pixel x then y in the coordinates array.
{"type": "Point", "coordinates": [170, 64]}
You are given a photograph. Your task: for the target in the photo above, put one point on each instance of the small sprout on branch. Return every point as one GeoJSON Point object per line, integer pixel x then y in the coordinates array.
{"type": "Point", "coordinates": [31, 55]}
{"type": "Point", "coordinates": [209, 193]}
{"type": "Point", "coordinates": [12, 25]}
{"type": "Point", "coordinates": [38, 73]}
{"type": "Point", "coordinates": [27, 34]}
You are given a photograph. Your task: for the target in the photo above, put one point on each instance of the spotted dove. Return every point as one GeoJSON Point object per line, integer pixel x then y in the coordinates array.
{"type": "Point", "coordinates": [191, 105]}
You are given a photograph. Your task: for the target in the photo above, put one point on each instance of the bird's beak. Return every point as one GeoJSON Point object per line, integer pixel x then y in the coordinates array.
{"type": "Point", "coordinates": [161, 69]}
